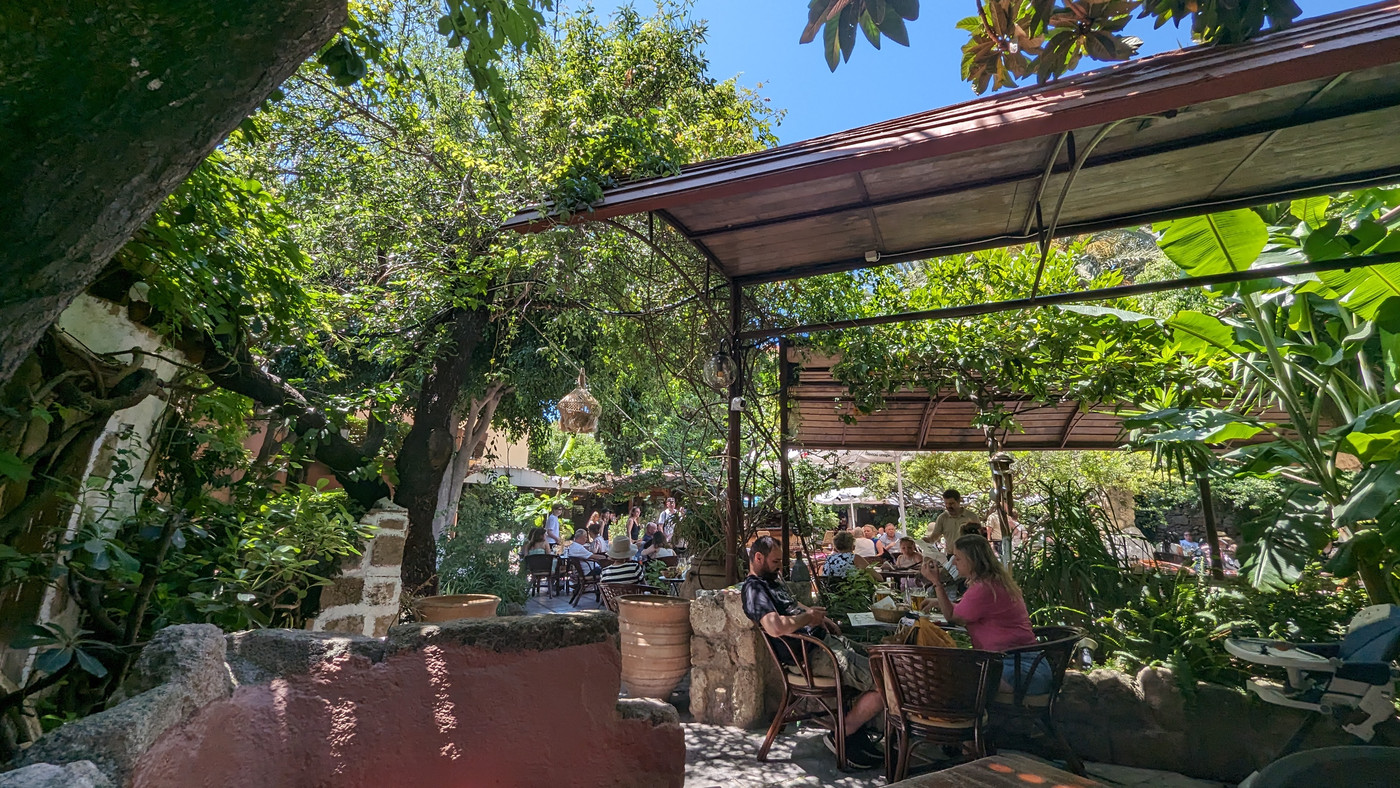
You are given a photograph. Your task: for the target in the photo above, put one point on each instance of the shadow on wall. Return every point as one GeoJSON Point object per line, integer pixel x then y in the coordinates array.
{"type": "Point", "coordinates": [460, 704]}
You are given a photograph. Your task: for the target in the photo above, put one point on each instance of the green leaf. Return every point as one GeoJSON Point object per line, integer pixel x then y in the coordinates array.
{"type": "Point", "coordinates": [1373, 497]}
{"type": "Point", "coordinates": [831, 43]}
{"type": "Point", "coordinates": [1311, 211]}
{"type": "Point", "coordinates": [1104, 311]}
{"type": "Point", "coordinates": [53, 660]}
{"type": "Point", "coordinates": [1364, 290]}
{"type": "Point", "coordinates": [12, 467]}
{"type": "Point", "coordinates": [1198, 332]}
{"type": "Point", "coordinates": [894, 29]}
{"type": "Point", "coordinates": [90, 664]}
{"type": "Point", "coordinates": [1214, 244]}
{"type": "Point", "coordinates": [870, 29]}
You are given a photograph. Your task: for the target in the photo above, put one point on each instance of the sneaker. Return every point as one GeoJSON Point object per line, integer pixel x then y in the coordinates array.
{"type": "Point", "coordinates": [858, 751]}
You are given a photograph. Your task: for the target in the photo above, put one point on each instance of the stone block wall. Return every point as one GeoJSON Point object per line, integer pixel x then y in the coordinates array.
{"type": "Point", "coordinates": [1146, 721]}
{"type": "Point", "coordinates": [364, 599]}
{"type": "Point", "coordinates": [733, 680]}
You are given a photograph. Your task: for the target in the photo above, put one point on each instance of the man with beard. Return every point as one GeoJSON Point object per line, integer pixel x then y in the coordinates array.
{"type": "Point", "coordinates": [768, 603]}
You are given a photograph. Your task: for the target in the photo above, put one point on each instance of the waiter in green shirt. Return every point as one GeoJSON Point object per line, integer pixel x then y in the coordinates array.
{"type": "Point", "coordinates": [948, 527]}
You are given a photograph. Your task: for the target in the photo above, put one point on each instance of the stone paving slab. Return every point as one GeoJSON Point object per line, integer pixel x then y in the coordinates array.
{"type": "Point", "coordinates": [720, 757]}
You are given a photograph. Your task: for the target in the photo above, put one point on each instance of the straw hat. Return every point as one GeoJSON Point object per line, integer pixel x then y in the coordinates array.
{"type": "Point", "coordinates": [621, 547]}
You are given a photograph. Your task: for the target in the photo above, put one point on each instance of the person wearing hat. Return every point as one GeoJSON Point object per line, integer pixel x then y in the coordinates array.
{"type": "Point", "coordinates": [625, 570]}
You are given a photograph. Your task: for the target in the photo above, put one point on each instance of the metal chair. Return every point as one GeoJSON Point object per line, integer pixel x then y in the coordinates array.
{"type": "Point", "coordinates": [806, 696]}
{"type": "Point", "coordinates": [611, 591]}
{"type": "Point", "coordinates": [935, 695]}
{"type": "Point", "coordinates": [583, 582]}
{"type": "Point", "coordinates": [541, 572]}
{"type": "Point", "coordinates": [1055, 647]}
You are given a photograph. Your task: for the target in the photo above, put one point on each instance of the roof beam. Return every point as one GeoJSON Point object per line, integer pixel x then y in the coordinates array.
{"type": "Point", "coordinates": [1101, 294]}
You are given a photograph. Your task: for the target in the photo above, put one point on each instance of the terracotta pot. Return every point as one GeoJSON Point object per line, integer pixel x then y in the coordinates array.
{"type": "Point", "coordinates": [655, 643]}
{"type": "Point", "coordinates": [437, 609]}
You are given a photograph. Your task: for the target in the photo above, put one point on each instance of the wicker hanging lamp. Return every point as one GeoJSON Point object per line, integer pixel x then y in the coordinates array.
{"type": "Point", "coordinates": [578, 410]}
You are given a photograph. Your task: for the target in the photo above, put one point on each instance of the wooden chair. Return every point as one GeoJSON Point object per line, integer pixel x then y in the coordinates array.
{"type": "Point", "coordinates": [1055, 648]}
{"type": "Point", "coordinates": [936, 695]}
{"type": "Point", "coordinates": [611, 591]}
{"type": "Point", "coordinates": [671, 561]}
{"type": "Point", "coordinates": [806, 696]}
{"type": "Point", "coordinates": [541, 573]}
{"type": "Point", "coordinates": [582, 583]}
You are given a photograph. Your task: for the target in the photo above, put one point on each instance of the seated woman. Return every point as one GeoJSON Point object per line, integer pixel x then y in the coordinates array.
{"type": "Point", "coordinates": [536, 544]}
{"type": "Point", "coordinates": [842, 562]}
{"type": "Point", "coordinates": [991, 610]}
{"type": "Point", "coordinates": [908, 556]}
{"type": "Point", "coordinates": [658, 548]}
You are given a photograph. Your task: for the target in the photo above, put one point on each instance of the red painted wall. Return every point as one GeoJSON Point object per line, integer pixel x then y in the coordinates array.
{"type": "Point", "coordinates": [441, 716]}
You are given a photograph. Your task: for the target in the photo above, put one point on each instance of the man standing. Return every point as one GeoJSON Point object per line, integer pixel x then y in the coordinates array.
{"type": "Point", "coordinates": [551, 525]}
{"type": "Point", "coordinates": [768, 603]}
{"type": "Point", "coordinates": [948, 527]}
{"type": "Point", "coordinates": [999, 533]}
{"type": "Point", "coordinates": [668, 518]}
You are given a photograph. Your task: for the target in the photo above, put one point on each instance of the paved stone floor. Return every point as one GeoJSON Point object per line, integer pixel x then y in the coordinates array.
{"type": "Point", "coordinates": [719, 757]}
{"type": "Point", "coordinates": [559, 604]}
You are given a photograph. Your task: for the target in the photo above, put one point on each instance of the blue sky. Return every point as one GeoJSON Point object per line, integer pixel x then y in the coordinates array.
{"type": "Point", "coordinates": [756, 40]}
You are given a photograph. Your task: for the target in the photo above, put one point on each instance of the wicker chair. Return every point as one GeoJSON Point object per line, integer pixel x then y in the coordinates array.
{"type": "Point", "coordinates": [805, 696]}
{"type": "Point", "coordinates": [938, 695]}
{"type": "Point", "coordinates": [583, 582]}
{"type": "Point", "coordinates": [1056, 648]}
{"type": "Point", "coordinates": [541, 573]}
{"type": "Point", "coordinates": [611, 591]}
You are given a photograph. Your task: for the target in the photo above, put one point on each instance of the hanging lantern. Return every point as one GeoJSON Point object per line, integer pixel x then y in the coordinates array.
{"type": "Point", "coordinates": [578, 410]}
{"type": "Point", "coordinates": [721, 371]}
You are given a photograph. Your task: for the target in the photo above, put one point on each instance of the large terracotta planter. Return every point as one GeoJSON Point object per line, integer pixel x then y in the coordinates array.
{"type": "Point", "coordinates": [655, 643]}
{"type": "Point", "coordinates": [437, 609]}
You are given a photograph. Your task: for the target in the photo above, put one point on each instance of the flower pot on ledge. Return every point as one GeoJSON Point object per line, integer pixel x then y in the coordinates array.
{"type": "Point", "coordinates": [439, 609]}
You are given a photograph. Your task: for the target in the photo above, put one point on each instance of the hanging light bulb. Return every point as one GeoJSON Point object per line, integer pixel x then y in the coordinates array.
{"type": "Point", "coordinates": [721, 371]}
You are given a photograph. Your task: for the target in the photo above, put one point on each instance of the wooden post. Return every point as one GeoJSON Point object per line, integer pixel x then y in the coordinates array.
{"type": "Point", "coordinates": [1217, 562]}
{"type": "Point", "coordinates": [734, 520]}
{"type": "Point", "coordinates": [784, 468]}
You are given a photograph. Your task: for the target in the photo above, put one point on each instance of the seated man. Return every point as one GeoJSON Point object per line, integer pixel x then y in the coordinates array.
{"type": "Point", "coordinates": [768, 603]}
{"type": "Point", "coordinates": [578, 548]}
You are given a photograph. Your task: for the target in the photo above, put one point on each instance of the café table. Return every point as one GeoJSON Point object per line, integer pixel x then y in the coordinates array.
{"type": "Point", "coordinates": [1000, 771]}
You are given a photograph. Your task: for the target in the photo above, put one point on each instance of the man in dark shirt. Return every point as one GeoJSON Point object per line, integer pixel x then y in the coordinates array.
{"type": "Point", "coordinates": [768, 603]}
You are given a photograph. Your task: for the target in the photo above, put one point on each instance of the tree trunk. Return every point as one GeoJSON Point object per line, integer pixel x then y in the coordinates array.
{"type": "Point", "coordinates": [427, 448]}
{"type": "Point", "coordinates": [473, 432]}
{"type": "Point", "coordinates": [111, 104]}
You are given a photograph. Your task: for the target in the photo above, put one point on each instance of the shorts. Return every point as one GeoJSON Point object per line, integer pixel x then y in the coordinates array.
{"type": "Point", "coordinates": [1040, 679]}
{"type": "Point", "coordinates": [855, 668]}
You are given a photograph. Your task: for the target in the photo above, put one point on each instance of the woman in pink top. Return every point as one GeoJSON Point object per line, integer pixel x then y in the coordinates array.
{"type": "Point", "coordinates": [992, 610]}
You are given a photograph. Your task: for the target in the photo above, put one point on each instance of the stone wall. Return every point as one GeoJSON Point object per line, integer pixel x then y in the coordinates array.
{"type": "Point", "coordinates": [733, 680]}
{"type": "Point", "coordinates": [1146, 721]}
{"type": "Point", "coordinates": [364, 599]}
{"type": "Point", "coordinates": [465, 703]}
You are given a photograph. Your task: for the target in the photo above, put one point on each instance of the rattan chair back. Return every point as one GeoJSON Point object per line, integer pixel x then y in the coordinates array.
{"type": "Point", "coordinates": [937, 683]}
{"type": "Point", "coordinates": [611, 591]}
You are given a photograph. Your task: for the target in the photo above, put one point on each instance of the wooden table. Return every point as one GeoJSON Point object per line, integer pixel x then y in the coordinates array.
{"type": "Point", "coordinates": [1000, 771]}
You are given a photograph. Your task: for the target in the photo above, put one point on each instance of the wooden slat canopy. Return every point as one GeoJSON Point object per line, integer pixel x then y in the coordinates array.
{"type": "Point", "coordinates": [1309, 110]}
{"type": "Point", "coordinates": [914, 420]}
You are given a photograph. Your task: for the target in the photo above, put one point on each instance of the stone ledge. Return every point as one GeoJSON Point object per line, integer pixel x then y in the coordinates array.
{"type": "Point", "coordinates": [649, 710]}
{"type": "Point", "coordinates": [260, 655]}
{"type": "Point", "coordinates": [503, 635]}
{"type": "Point", "coordinates": [181, 670]}
{"type": "Point", "coordinates": [79, 774]}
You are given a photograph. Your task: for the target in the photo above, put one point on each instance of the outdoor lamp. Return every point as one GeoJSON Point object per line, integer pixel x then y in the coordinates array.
{"type": "Point", "coordinates": [721, 371]}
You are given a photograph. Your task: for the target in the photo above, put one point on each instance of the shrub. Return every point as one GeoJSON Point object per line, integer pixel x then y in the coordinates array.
{"type": "Point", "coordinates": [478, 556]}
